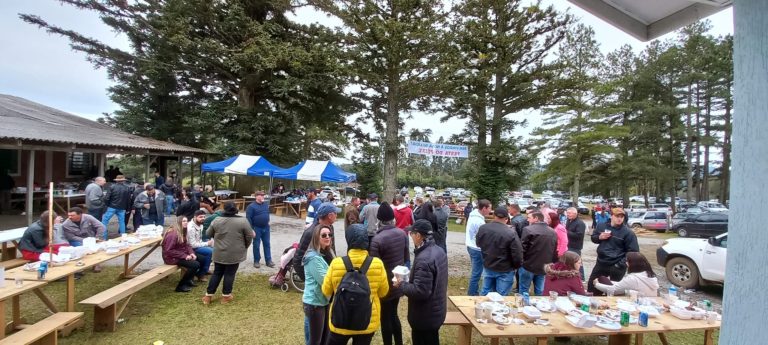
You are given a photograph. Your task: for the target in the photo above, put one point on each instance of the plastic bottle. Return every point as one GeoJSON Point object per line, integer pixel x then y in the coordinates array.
{"type": "Point", "coordinates": [672, 290]}
{"type": "Point", "coordinates": [42, 270]}
{"type": "Point", "coordinates": [526, 299]}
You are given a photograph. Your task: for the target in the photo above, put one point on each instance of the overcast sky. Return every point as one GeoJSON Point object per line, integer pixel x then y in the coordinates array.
{"type": "Point", "coordinates": [42, 68]}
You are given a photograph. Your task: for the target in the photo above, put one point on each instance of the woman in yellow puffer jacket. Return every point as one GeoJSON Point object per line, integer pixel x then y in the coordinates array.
{"type": "Point", "coordinates": [357, 244]}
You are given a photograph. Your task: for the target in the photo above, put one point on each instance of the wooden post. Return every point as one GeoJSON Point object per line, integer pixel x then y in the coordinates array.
{"type": "Point", "coordinates": [147, 174]}
{"type": "Point", "coordinates": [48, 166]}
{"type": "Point", "coordinates": [30, 185]}
{"type": "Point", "coordinates": [192, 171]}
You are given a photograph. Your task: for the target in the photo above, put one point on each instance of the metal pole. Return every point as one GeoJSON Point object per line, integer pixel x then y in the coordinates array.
{"type": "Point", "coordinates": [30, 185]}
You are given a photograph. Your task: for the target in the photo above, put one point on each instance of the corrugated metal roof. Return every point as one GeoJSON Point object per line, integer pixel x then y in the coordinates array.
{"type": "Point", "coordinates": [23, 119]}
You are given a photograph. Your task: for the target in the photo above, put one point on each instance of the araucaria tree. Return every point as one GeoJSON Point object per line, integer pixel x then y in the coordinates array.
{"type": "Point", "coordinates": [238, 71]}
{"type": "Point", "coordinates": [392, 48]}
{"type": "Point", "coordinates": [497, 68]}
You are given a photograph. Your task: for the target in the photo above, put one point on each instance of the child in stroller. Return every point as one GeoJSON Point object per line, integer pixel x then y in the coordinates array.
{"type": "Point", "coordinates": [285, 273]}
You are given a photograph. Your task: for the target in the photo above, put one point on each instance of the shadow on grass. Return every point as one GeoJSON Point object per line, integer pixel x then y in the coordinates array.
{"type": "Point", "coordinates": [258, 315]}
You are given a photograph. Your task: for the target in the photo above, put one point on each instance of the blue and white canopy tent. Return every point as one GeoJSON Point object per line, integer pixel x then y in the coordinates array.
{"type": "Point", "coordinates": [320, 171]}
{"type": "Point", "coordinates": [243, 165]}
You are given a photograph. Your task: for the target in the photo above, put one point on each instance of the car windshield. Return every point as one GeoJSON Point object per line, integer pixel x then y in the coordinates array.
{"type": "Point", "coordinates": [636, 214]}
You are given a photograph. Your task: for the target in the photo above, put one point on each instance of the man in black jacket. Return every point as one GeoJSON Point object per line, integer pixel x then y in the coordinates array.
{"type": "Point", "coordinates": [539, 243]}
{"type": "Point", "coordinates": [118, 201]}
{"type": "Point", "coordinates": [502, 253]}
{"type": "Point", "coordinates": [427, 289]}
{"type": "Point", "coordinates": [518, 221]}
{"type": "Point", "coordinates": [614, 241]}
{"type": "Point", "coordinates": [576, 229]}
{"type": "Point", "coordinates": [390, 244]}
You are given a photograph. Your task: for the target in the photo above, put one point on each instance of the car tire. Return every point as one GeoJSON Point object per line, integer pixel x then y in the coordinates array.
{"type": "Point", "coordinates": [636, 226]}
{"type": "Point", "coordinates": [683, 272]}
{"type": "Point", "coordinates": [682, 232]}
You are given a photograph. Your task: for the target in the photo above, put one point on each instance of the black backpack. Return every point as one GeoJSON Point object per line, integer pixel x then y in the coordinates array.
{"type": "Point", "coordinates": [352, 307]}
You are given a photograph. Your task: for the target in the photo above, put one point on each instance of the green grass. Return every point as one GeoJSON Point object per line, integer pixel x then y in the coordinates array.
{"type": "Point", "coordinates": [259, 315]}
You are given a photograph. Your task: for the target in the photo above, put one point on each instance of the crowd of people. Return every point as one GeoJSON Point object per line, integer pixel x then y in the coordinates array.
{"type": "Point", "coordinates": [515, 252]}
{"type": "Point", "coordinates": [540, 250]}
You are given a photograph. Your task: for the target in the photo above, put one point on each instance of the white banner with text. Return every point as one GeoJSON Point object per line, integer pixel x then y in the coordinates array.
{"type": "Point", "coordinates": [442, 150]}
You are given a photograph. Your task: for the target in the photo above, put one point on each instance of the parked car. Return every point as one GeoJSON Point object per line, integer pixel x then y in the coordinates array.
{"type": "Point", "coordinates": [418, 189]}
{"type": "Point", "coordinates": [429, 189]}
{"type": "Point", "coordinates": [702, 224]}
{"type": "Point", "coordinates": [585, 199]}
{"type": "Point", "coordinates": [680, 216]}
{"type": "Point", "coordinates": [651, 220]}
{"type": "Point", "coordinates": [712, 206]}
{"type": "Point", "coordinates": [527, 193]}
{"type": "Point", "coordinates": [579, 207]}
{"type": "Point", "coordinates": [523, 203]}
{"type": "Point", "coordinates": [692, 209]}
{"type": "Point", "coordinates": [659, 207]}
{"type": "Point", "coordinates": [690, 263]}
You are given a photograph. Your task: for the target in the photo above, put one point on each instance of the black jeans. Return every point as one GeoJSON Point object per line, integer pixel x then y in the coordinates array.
{"type": "Point", "coordinates": [425, 336]}
{"type": "Point", "coordinates": [390, 322]}
{"type": "Point", "coordinates": [137, 218]}
{"type": "Point", "coordinates": [614, 272]}
{"type": "Point", "coordinates": [192, 267]}
{"type": "Point", "coordinates": [340, 339]}
{"type": "Point", "coordinates": [226, 271]}
{"type": "Point", "coordinates": [318, 323]}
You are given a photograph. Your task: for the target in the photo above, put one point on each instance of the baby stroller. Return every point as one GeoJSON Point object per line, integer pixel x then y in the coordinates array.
{"type": "Point", "coordinates": [286, 270]}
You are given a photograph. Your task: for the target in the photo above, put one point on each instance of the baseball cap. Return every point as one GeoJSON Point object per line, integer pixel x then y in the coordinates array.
{"type": "Point", "coordinates": [618, 210]}
{"type": "Point", "coordinates": [501, 212]}
{"type": "Point", "coordinates": [326, 208]}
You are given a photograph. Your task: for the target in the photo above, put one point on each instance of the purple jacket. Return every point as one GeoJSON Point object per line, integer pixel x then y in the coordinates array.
{"type": "Point", "coordinates": [173, 251]}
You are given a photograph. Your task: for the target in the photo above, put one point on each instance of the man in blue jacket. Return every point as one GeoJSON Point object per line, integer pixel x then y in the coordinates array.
{"type": "Point", "coordinates": [258, 216]}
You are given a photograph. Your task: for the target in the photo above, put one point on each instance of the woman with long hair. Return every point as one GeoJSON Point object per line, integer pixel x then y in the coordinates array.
{"type": "Point", "coordinates": [562, 233]}
{"type": "Point", "coordinates": [640, 278]}
{"type": "Point", "coordinates": [177, 251]}
{"type": "Point", "coordinates": [315, 267]}
{"type": "Point", "coordinates": [563, 276]}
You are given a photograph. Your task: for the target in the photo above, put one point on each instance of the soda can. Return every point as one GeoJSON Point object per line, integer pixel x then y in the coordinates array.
{"type": "Point", "coordinates": [585, 307]}
{"type": "Point", "coordinates": [624, 319]}
{"type": "Point", "coordinates": [643, 320]}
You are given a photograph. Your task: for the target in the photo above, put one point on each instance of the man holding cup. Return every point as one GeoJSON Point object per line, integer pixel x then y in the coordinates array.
{"type": "Point", "coordinates": [614, 240]}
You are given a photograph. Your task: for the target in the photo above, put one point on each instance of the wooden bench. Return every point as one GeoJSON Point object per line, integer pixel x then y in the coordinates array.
{"type": "Point", "coordinates": [13, 263]}
{"type": "Point", "coordinates": [464, 335]}
{"type": "Point", "coordinates": [44, 332]}
{"type": "Point", "coordinates": [105, 308]}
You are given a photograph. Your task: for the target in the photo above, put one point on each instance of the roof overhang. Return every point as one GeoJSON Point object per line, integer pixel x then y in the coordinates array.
{"type": "Point", "coordinates": [649, 19]}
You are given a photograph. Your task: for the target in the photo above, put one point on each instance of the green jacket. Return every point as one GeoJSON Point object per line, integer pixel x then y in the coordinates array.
{"type": "Point", "coordinates": [231, 238]}
{"type": "Point", "coordinates": [315, 268]}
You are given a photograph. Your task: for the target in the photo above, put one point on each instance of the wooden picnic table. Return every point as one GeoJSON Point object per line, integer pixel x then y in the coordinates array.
{"type": "Point", "coordinates": [12, 292]}
{"type": "Point", "coordinates": [69, 269]}
{"type": "Point", "coordinates": [57, 199]}
{"type": "Point", "coordinates": [560, 327]}
{"type": "Point", "coordinates": [13, 236]}
{"type": "Point", "coordinates": [295, 207]}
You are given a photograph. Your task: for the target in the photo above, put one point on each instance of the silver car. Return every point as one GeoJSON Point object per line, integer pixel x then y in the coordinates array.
{"type": "Point", "coordinates": [651, 220]}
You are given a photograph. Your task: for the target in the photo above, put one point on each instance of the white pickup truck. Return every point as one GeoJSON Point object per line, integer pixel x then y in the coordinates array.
{"type": "Point", "coordinates": [691, 262]}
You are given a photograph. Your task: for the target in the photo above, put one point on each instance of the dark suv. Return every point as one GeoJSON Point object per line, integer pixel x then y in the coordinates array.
{"type": "Point", "coordinates": [703, 224]}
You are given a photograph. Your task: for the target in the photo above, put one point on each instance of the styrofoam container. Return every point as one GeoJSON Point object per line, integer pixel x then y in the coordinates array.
{"type": "Point", "coordinates": [531, 312]}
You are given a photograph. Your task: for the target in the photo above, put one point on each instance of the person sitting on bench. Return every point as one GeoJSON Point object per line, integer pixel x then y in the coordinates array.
{"type": "Point", "coordinates": [35, 239]}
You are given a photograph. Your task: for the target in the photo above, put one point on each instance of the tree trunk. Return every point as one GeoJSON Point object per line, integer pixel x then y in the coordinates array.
{"type": "Point", "coordinates": [707, 125]}
{"type": "Point", "coordinates": [689, 149]}
{"type": "Point", "coordinates": [697, 168]}
{"type": "Point", "coordinates": [391, 139]}
{"type": "Point", "coordinates": [725, 168]}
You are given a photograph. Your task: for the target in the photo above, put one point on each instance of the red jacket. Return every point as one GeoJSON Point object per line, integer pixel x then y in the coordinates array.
{"type": "Point", "coordinates": [561, 280]}
{"type": "Point", "coordinates": [173, 251]}
{"type": "Point", "coordinates": [403, 216]}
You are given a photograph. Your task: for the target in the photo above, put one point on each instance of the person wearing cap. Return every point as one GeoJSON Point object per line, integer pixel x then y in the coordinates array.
{"type": "Point", "coordinates": [474, 221]}
{"type": "Point", "coordinates": [539, 243]}
{"type": "Point", "coordinates": [357, 251]}
{"type": "Point", "coordinates": [326, 216]}
{"type": "Point", "coordinates": [258, 216]}
{"type": "Point", "coordinates": [614, 240]}
{"type": "Point", "coordinates": [232, 235]}
{"type": "Point", "coordinates": [502, 253]}
{"type": "Point", "coordinates": [368, 215]}
{"type": "Point", "coordinates": [151, 202]}
{"type": "Point", "coordinates": [313, 204]}
{"type": "Point", "coordinates": [427, 286]}
{"type": "Point", "coordinates": [390, 244]}
{"type": "Point", "coordinates": [118, 201]}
